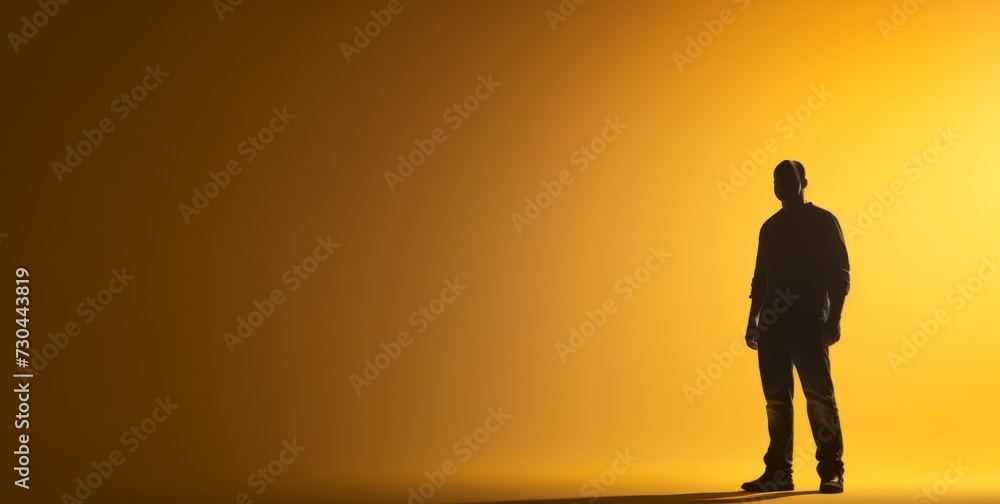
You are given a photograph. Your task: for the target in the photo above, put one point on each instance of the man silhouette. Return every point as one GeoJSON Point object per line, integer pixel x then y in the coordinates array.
{"type": "Point", "coordinates": [797, 294]}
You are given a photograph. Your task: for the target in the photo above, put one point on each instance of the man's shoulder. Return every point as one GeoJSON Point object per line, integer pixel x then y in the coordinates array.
{"type": "Point", "coordinates": [768, 225]}
{"type": "Point", "coordinates": [771, 220]}
{"type": "Point", "coordinates": [813, 213]}
{"type": "Point", "coordinates": [821, 212]}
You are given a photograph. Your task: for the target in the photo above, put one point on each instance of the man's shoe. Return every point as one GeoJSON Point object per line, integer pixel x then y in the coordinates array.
{"type": "Point", "coordinates": [777, 481]}
{"type": "Point", "coordinates": [831, 484]}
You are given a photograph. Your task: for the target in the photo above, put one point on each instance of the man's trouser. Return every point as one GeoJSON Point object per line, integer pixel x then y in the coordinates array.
{"type": "Point", "coordinates": [811, 358]}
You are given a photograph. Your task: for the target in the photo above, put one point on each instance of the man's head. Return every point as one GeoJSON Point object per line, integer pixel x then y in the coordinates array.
{"type": "Point", "coordinates": [789, 180]}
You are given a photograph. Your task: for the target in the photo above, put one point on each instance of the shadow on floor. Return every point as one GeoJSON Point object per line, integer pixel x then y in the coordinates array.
{"type": "Point", "coordinates": [703, 497]}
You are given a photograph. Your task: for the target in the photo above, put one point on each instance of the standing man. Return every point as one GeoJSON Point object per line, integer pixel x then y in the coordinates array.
{"type": "Point", "coordinates": [797, 294]}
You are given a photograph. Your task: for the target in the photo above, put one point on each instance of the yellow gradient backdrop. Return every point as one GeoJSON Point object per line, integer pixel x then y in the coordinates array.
{"type": "Point", "coordinates": [894, 116]}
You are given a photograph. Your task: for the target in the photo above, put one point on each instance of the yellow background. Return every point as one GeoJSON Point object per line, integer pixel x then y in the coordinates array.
{"type": "Point", "coordinates": [655, 185]}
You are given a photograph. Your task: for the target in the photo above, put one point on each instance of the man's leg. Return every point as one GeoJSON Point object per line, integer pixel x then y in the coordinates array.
{"type": "Point", "coordinates": [812, 360]}
{"type": "Point", "coordinates": [775, 364]}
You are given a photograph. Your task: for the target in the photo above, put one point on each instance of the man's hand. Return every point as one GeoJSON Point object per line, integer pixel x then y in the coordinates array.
{"type": "Point", "coordinates": [752, 335]}
{"type": "Point", "coordinates": [831, 332]}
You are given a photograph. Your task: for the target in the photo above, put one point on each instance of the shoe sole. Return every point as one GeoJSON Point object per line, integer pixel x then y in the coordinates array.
{"type": "Point", "coordinates": [831, 489]}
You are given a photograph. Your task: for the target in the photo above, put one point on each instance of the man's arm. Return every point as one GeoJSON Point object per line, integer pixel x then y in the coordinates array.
{"type": "Point", "coordinates": [839, 283]}
{"type": "Point", "coordinates": [757, 287]}
{"type": "Point", "coordinates": [752, 333]}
